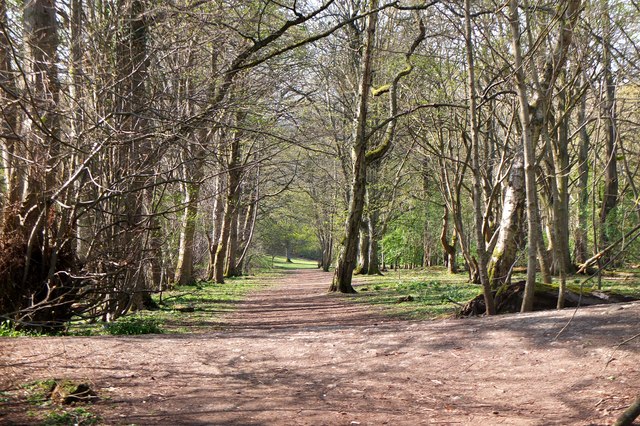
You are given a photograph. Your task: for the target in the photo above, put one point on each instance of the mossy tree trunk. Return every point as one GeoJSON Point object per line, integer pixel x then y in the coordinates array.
{"type": "Point", "coordinates": [610, 194]}
{"type": "Point", "coordinates": [581, 236]}
{"type": "Point", "coordinates": [347, 260]}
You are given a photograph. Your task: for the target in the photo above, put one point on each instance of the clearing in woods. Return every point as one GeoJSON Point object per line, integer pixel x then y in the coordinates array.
{"type": "Point", "coordinates": [293, 354]}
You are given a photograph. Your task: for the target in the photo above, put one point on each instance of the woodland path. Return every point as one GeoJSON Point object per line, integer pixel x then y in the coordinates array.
{"type": "Point", "coordinates": [294, 355]}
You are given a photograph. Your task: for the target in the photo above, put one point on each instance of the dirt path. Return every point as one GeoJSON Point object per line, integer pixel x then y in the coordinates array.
{"type": "Point", "coordinates": [296, 355]}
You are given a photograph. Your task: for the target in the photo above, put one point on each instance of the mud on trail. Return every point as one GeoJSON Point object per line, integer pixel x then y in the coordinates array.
{"type": "Point", "coordinates": [294, 355]}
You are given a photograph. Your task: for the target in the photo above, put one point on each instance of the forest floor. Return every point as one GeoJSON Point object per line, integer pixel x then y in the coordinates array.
{"type": "Point", "coordinates": [291, 354]}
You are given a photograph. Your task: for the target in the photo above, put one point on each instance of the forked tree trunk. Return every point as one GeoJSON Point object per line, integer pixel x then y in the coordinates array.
{"type": "Point", "coordinates": [231, 268]}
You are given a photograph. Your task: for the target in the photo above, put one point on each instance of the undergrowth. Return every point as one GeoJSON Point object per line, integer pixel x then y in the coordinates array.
{"type": "Point", "coordinates": [132, 325]}
{"type": "Point", "coordinates": [76, 416]}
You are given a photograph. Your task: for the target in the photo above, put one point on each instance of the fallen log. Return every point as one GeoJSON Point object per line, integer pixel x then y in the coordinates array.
{"type": "Point", "coordinates": [508, 299]}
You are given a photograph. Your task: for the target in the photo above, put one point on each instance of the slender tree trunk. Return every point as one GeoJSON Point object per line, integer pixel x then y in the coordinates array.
{"type": "Point", "coordinates": [13, 172]}
{"type": "Point", "coordinates": [477, 184]}
{"type": "Point", "coordinates": [610, 196]}
{"type": "Point", "coordinates": [529, 159]}
{"type": "Point", "coordinates": [216, 224]}
{"type": "Point", "coordinates": [231, 269]}
{"type": "Point", "coordinates": [347, 260]}
{"type": "Point", "coordinates": [582, 187]}
{"type": "Point", "coordinates": [250, 224]}
{"type": "Point", "coordinates": [561, 203]}
{"type": "Point", "coordinates": [234, 175]}
{"type": "Point", "coordinates": [449, 248]}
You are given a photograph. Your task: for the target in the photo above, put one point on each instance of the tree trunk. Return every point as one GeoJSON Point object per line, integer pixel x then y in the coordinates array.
{"type": "Point", "coordinates": [216, 224]}
{"type": "Point", "coordinates": [13, 172]}
{"type": "Point", "coordinates": [506, 248]}
{"type": "Point", "coordinates": [610, 196]}
{"type": "Point", "coordinates": [477, 184]}
{"type": "Point", "coordinates": [234, 174]}
{"type": "Point", "coordinates": [581, 236]}
{"type": "Point", "coordinates": [231, 269]}
{"type": "Point", "coordinates": [529, 159]}
{"type": "Point", "coordinates": [184, 267]}
{"type": "Point", "coordinates": [347, 260]}
{"type": "Point", "coordinates": [374, 262]}
{"type": "Point", "coordinates": [449, 249]}
{"type": "Point", "coordinates": [561, 203]}
{"type": "Point", "coordinates": [250, 224]}
{"type": "Point", "coordinates": [363, 249]}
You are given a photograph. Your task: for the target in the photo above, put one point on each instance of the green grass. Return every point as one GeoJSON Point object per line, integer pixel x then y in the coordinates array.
{"type": "Point", "coordinates": [44, 410]}
{"type": "Point", "coordinates": [184, 309]}
{"type": "Point", "coordinates": [415, 294]}
{"type": "Point", "coordinates": [76, 416]}
{"type": "Point", "coordinates": [267, 263]}
{"type": "Point", "coordinates": [434, 293]}
{"type": "Point", "coordinates": [38, 392]}
{"type": "Point", "coordinates": [197, 308]}
{"type": "Point", "coordinates": [132, 325]}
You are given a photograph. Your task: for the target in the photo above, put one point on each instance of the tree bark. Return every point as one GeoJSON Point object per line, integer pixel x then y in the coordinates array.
{"type": "Point", "coordinates": [506, 248]}
{"type": "Point", "coordinates": [347, 261]}
{"type": "Point", "coordinates": [610, 196]}
{"type": "Point", "coordinates": [449, 248]}
{"type": "Point", "coordinates": [234, 174]}
{"type": "Point", "coordinates": [216, 224]}
{"type": "Point", "coordinates": [184, 268]}
{"type": "Point", "coordinates": [363, 249]}
{"type": "Point", "coordinates": [477, 184]}
{"type": "Point", "coordinates": [374, 237]}
{"type": "Point", "coordinates": [629, 415]}
{"type": "Point", "coordinates": [529, 158]}
{"type": "Point", "coordinates": [581, 236]}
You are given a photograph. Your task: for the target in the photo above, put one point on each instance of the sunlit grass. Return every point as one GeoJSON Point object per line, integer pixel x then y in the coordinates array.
{"type": "Point", "coordinates": [416, 294]}
{"type": "Point", "coordinates": [195, 308]}
{"type": "Point", "coordinates": [266, 263]}
{"type": "Point", "coordinates": [434, 293]}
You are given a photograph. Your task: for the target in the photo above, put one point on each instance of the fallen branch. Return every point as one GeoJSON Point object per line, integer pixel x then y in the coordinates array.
{"type": "Point", "coordinates": [594, 259]}
{"type": "Point", "coordinates": [624, 342]}
{"type": "Point", "coordinates": [629, 415]}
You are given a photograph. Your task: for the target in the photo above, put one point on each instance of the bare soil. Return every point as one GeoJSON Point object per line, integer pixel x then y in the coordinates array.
{"type": "Point", "coordinates": [295, 355]}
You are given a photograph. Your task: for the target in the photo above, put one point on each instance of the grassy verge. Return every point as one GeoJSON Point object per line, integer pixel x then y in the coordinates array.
{"type": "Point", "coordinates": [415, 294]}
{"type": "Point", "coordinates": [433, 293]}
{"type": "Point", "coordinates": [193, 309]}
